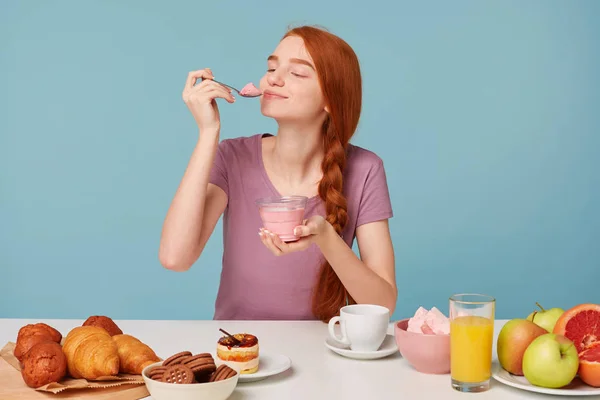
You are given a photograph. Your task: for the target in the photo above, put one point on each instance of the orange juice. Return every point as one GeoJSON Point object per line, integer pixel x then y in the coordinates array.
{"type": "Point", "coordinates": [471, 348]}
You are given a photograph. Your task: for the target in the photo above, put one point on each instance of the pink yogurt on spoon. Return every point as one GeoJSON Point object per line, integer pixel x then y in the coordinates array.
{"type": "Point", "coordinates": [250, 90]}
{"type": "Point", "coordinates": [280, 215]}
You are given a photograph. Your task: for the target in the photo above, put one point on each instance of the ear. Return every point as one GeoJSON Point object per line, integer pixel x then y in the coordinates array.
{"type": "Point", "coordinates": [327, 109]}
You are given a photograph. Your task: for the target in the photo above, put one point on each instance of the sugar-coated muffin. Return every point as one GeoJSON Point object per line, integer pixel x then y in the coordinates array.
{"type": "Point", "coordinates": [104, 322]}
{"type": "Point", "coordinates": [40, 327]}
{"type": "Point", "coordinates": [244, 356]}
{"type": "Point", "coordinates": [44, 363]}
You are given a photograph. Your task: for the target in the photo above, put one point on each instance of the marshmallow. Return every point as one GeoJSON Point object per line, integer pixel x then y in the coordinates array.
{"type": "Point", "coordinates": [432, 322]}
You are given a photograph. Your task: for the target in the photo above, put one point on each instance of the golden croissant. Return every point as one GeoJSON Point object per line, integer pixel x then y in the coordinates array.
{"type": "Point", "coordinates": [91, 353]}
{"type": "Point", "coordinates": [134, 355]}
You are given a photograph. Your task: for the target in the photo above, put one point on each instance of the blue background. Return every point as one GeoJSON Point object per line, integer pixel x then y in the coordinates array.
{"type": "Point", "coordinates": [485, 113]}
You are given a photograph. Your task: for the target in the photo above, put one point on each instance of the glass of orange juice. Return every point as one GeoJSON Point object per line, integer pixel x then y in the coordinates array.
{"type": "Point", "coordinates": [471, 337]}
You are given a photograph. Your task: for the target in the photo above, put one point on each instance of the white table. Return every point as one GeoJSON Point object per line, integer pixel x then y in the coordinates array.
{"type": "Point", "coordinates": [316, 373]}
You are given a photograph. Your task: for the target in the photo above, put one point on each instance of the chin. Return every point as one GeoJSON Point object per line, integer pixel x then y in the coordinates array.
{"type": "Point", "coordinates": [285, 115]}
{"type": "Point", "coordinates": [274, 112]}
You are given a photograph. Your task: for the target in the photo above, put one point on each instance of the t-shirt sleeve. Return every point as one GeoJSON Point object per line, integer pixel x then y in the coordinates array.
{"type": "Point", "coordinates": [218, 173]}
{"type": "Point", "coordinates": [375, 203]}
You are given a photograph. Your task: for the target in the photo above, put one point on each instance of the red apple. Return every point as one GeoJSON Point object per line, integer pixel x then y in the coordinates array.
{"type": "Point", "coordinates": [513, 339]}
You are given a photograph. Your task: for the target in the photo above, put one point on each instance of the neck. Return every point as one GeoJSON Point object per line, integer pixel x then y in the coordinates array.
{"type": "Point", "coordinates": [297, 153]}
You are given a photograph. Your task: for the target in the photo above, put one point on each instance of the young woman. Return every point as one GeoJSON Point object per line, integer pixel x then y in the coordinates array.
{"type": "Point", "coordinates": [313, 89]}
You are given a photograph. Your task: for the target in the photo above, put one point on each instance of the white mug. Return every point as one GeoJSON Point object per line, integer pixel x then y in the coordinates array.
{"type": "Point", "coordinates": [363, 326]}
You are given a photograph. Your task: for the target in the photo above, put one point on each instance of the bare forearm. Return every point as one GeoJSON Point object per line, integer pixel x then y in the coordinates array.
{"type": "Point", "coordinates": [179, 246]}
{"type": "Point", "coordinates": [363, 284]}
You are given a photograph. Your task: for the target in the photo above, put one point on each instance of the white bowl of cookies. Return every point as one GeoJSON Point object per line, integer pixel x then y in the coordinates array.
{"type": "Point", "coordinates": [187, 376]}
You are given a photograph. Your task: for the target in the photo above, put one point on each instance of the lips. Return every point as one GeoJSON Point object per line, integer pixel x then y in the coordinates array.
{"type": "Point", "coordinates": [272, 95]}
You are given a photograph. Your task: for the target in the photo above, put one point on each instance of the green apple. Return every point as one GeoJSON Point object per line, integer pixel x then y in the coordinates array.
{"type": "Point", "coordinates": [513, 339]}
{"type": "Point", "coordinates": [545, 318]}
{"type": "Point", "coordinates": [550, 361]}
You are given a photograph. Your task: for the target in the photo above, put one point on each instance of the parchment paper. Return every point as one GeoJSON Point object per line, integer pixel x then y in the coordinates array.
{"type": "Point", "coordinates": [12, 386]}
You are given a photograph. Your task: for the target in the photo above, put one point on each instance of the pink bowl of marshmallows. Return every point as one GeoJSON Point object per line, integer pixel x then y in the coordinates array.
{"type": "Point", "coordinates": [424, 341]}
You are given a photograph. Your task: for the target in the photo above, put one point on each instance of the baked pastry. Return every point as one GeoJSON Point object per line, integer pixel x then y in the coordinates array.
{"type": "Point", "coordinates": [44, 363]}
{"type": "Point", "coordinates": [31, 334]}
{"type": "Point", "coordinates": [39, 328]}
{"type": "Point", "coordinates": [25, 343]}
{"type": "Point", "coordinates": [91, 353]}
{"type": "Point", "coordinates": [103, 322]}
{"type": "Point", "coordinates": [134, 355]}
{"type": "Point", "coordinates": [242, 355]}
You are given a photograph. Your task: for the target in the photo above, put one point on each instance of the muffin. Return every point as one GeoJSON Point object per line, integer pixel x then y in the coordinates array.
{"type": "Point", "coordinates": [25, 343]}
{"type": "Point", "coordinates": [40, 327]}
{"type": "Point", "coordinates": [103, 322]}
{"type": "Point", "coordinates": [44, 363]}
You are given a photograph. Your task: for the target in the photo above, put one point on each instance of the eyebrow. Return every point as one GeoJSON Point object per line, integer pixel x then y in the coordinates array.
{"type": "Point", "coordinates": [294, 60]}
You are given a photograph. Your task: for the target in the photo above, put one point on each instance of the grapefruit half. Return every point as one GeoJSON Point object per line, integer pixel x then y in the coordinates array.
{"type": "Point", "coordinates": [589, 365]}
{"type": "Point", "coordinates": [581, 324]}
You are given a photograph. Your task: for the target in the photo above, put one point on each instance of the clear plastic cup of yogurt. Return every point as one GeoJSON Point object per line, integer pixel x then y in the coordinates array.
{"type": "Point", "coordinates": [280, 215]}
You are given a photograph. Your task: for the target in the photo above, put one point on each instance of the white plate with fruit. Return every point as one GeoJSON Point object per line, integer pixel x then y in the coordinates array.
{"type": "Point", "coordinates": [575, 388]}
{"type": "Point", "coordinates": [558, 354]}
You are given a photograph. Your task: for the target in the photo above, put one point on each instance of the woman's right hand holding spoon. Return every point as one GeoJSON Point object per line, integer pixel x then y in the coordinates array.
{"type": "Point", "coordinates": [201, 99]}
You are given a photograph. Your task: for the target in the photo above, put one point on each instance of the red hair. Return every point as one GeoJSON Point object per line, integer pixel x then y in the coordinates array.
{"type": "Point", "coordinates": [339, 76]}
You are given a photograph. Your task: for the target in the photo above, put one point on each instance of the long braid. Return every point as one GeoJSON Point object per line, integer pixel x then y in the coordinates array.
{"type": "Point", "coordinates": [339, 76]}
{"type": "Point", "coordinates": [330, 294]}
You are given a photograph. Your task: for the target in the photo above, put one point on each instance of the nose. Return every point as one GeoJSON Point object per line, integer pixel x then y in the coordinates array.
{"type": "Point", "coordinates": [275, 79]}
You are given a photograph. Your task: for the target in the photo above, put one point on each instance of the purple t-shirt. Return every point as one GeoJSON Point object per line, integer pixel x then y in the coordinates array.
{"type": "Point", "coordinates": [255, 284]}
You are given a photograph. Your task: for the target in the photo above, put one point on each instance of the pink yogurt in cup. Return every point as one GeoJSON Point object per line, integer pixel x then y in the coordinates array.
{"type": "Point", "coordinates": [281, 215]}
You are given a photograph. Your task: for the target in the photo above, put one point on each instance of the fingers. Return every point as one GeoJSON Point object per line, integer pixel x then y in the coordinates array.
{"type": "Point", "coordinates": [302, 231]}
{"type": "Point", "coordinates": [209, 85]}
{"type": "Point", "coordinates": [267, 238]}
{"type": "Point", "coordinates": [279, 244]}
{"type": "Point", "coordinates": [279, 247]}
{"type": "Point", "coordinates": [193, 76]}
{"type": "Point", "coordinates": [208, 91]}
{"type": "Point", "coordinates": [306, 229]}
{"type": "Point", "coordinates": [213, 93]}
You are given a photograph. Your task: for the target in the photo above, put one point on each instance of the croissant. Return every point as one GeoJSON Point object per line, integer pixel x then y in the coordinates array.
{"type": "Point", "coordinates": [134, 355]}
{"type": "Point", "coordinates": [91, 353]}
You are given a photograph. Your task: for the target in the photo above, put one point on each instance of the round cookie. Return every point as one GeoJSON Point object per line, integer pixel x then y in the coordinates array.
{"type": "Point", "coordinates": [223, 372]}
{"type": "Point", "coordinates": [156, 373]}
{"type": "Point", "coordinates": [201, 364]}
{"type": "Point", "coordinates": [44, 363]}
{"type": "Point", "coordinates": [177, 358]}
{"type": "Point", "coordinates": [178, 374]}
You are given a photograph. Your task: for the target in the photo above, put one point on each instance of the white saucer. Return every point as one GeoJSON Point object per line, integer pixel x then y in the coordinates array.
{"type": "Point", "coordinates": [268, 365]}
{"type": "Point", "coordinates": [388, 347]}
{"type": "Point", "coordinates": [576, 388]}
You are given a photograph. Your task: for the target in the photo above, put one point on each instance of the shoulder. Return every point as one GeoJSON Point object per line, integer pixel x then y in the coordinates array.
{"type": "Point", "coordinates": [242, 144]}
{"type": "Point", "coordinates": [240, 151]}
{"type": "Point", "coordinates": [366, 186]}
{"type": "Point", "coordinates": [359, 158]}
